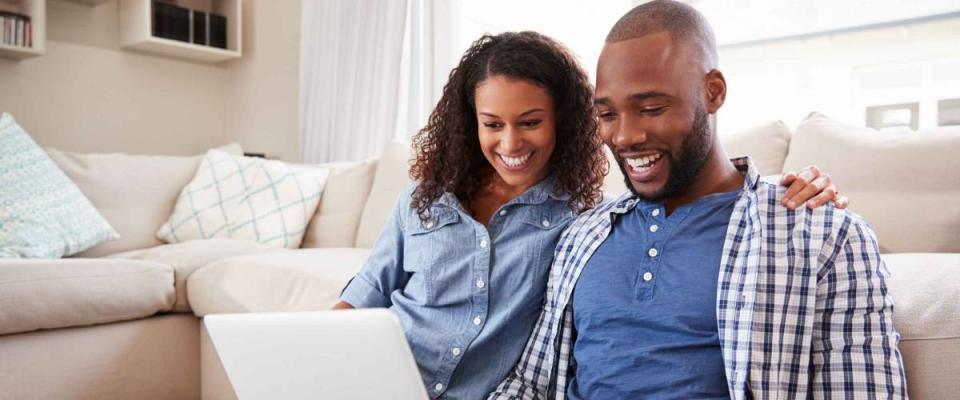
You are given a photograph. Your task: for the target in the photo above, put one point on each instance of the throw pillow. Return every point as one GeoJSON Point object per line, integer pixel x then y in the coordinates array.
{"type": "Point", "coordinates": [42, 213]}
{"type": "Point", "coordinates": [237, 197]}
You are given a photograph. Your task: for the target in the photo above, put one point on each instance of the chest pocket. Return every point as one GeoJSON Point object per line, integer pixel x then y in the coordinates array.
{"type": "Point", "coordinates": [429, 246]}
{"type": "Point", "coordinates": [546, 226]}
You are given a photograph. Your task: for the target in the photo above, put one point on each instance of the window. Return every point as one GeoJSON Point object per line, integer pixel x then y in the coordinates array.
{"type": "Point", "coordinates": [783, 59]}
{"type": "Point", "coordinates": [948, 112]}
{"type": "Point", "coordinates": [894, 117]}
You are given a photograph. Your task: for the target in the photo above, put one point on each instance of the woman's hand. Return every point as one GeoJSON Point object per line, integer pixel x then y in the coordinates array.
{"type": "Point", "coordinates": [811, 187]}
{"type": "Point", "coordinates": [342, 306]}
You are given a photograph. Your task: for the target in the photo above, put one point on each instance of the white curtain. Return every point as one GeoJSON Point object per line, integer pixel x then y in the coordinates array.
{"type": "Point", "coordinates": [350, 77]}
{"type": "Point", "coordinates": [429, 48]}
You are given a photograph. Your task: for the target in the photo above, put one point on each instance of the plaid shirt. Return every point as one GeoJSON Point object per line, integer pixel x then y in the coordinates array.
{"type": "Point", "coordinates": [802, 306]}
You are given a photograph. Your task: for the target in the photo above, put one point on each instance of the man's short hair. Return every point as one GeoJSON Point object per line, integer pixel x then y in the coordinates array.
{"type": "Point", "coordinates": [683, 22]}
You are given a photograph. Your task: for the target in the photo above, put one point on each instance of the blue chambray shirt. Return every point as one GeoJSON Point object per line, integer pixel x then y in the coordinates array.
{"type": "Point", "coordinates": [467, 295]}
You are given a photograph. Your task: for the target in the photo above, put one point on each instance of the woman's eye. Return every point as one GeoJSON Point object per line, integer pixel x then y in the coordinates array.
{"type": "Point", "coordinates": [530, 124]}
{"type": "Point", "coordinates": [492, 125]}
{"type": "Point", "coordinates": [606, 115]}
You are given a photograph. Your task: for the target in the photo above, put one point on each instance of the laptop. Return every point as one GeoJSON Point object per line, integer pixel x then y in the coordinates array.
{"type": "Point", "coordinates": [343, 354]}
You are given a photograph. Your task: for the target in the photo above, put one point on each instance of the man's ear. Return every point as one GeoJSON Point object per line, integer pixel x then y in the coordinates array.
{"type": "Point", "coordinates": [716, 90]}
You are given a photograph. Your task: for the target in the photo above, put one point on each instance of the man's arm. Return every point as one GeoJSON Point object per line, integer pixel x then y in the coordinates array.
{"type": "Point", "coordinates": [855, 351]}
{"type": "Point", "coordinates": [530, 379]}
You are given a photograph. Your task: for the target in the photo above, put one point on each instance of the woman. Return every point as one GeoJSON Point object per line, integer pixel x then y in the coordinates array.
{"type": "Point", "coordinates": [507, 159]}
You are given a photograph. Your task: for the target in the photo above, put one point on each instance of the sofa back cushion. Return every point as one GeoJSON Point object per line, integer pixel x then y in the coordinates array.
{"type": "Point", "coordinates": [393, 174]}
{"type": "Point", "coordinates": [766, 144]}
{"type": "Point", "coordinates": [135, 193]}
{"type": "Point", "coordinates": [905, 185]}
{"type": "Point", "coordinates": [337, 218]}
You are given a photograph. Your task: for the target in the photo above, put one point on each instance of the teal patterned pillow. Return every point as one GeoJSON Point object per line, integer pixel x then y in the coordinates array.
{"type": "Point", "coordinates": [42, 213]}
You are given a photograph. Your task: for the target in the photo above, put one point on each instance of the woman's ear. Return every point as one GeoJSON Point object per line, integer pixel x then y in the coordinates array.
{"type": "Point", "coordinates": [716, 90]}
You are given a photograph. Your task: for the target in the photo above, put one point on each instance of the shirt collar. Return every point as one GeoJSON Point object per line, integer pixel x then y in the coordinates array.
{"type": "Point", "coordinates": [627, 201]}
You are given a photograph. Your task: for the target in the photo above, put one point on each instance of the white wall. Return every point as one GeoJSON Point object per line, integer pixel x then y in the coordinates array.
{"type": "Point", "coordinates": [88, 95]}
{"type": "Point", "coordinates": [264, 86]}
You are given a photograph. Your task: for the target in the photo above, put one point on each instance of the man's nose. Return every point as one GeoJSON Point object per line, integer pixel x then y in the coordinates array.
{"type": "Point", "coordinates": [629, 131]}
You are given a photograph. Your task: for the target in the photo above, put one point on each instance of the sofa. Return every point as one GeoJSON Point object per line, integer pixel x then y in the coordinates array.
{"type": "Point", "coordinates": [123, 320]}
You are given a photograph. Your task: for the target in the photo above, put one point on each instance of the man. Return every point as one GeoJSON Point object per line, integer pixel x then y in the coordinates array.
{"type": "Point", "coordinates": [698, 283]}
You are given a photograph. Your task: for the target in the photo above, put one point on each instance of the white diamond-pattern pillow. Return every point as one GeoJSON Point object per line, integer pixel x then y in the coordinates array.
{"type": "Point", "coordinates": [266, 201]}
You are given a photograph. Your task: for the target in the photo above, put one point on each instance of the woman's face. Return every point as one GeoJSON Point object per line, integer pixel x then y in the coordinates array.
{"type": "Point", "coordinates": [517, 129]}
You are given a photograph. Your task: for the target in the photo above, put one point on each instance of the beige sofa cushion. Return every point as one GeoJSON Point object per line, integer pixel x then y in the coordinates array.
{"type": "Point", "coordinates": [187, 257]}
{"type": "Point", "coordinates": [144, 359]}
{"type": "Point", "coordinates": [48, 294]}
{"type": "Point", "coordinates": [295, 280]}
{"type": "Point", "coordinates": [341, 205]}
{"type": "Point", "coordinates": [393, 175]}
{"type": "Point", "coordinates": [926, 295]}
{"type": "Point", "coordinates": [905, 185]}
{"type": "Point", "coordinates": [767, 144]}
{"type": "Point", "coordinates": [135, 193]}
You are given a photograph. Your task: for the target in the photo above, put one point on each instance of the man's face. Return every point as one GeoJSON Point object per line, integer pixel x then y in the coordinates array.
{"type": "Point", "coordinates": [651, 108]}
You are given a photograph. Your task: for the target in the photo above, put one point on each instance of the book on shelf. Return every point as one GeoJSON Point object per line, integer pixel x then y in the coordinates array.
{"type": "Point", "coordinates": [198, 31]}
{"type": "Point", "coordinates": [218, 31]}
{"type": "Point", "coordinates": [15, 30]}
{"type": "Point", "coordinates": [171, 22]}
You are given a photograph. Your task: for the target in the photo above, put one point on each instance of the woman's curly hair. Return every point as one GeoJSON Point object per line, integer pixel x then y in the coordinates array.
{"type": "Point", "coordinates": [448, 154]}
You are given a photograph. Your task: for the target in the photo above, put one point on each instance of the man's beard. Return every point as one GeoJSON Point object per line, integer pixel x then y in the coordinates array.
{"type": "Point", "coordinates": [685, 165]}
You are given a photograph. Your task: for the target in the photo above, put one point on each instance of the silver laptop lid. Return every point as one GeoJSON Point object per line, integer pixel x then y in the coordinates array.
{"type": "Point", "coordinates": [349, 354]}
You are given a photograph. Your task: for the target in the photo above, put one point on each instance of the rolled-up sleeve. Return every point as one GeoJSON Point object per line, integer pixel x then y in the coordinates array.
{"type": "Point", "coordinates": [383, 272]}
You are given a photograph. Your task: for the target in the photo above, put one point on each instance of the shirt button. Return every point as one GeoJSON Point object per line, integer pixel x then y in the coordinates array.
{"type": "Point", "coordinates": [477, 320]}
{"type": "Point", "coordinates": [656, 212]}
{"type": "Point", "coordinates": [652, 252]}
{"type": "Point", "coordinates": [483, 243]}
{"type": "Point", "coordinates": [455, 351]}
{"type": "Point", "coordinates": [647, 276]}
{"type": "Point", "coordinates": [503, 212]}
{"type": "Point", "coordinates": [438, 387]}
{"type": "Point", "coordinates": [481, 283]}
{"type": "Point", "coordinates": [546, 224]}
{"type": "Point", "coordinates": [653, 228]}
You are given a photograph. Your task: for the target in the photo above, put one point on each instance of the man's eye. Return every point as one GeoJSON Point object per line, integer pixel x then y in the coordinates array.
{"type": "Point", "coordinates": [652, 110]}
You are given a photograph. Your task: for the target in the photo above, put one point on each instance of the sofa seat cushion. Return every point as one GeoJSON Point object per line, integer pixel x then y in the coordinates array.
{"type": "Point", "coordinates": [926, 300]}
{"type": "Point", "coordinates": [295, 280]}
{"type": "Point", "coordinates": [48, 294]}
{"type": "Point", "coordinates": [187, 257]}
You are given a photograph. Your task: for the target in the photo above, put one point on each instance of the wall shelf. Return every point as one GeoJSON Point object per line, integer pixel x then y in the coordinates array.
{"type": "Point", "coordinates": [37, 11]}
{"type": "Point", "coordinates": [136, 30]}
